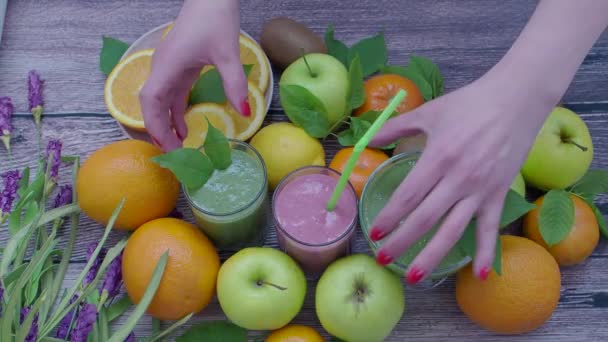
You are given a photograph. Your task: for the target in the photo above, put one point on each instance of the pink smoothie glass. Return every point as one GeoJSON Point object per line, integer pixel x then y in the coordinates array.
{"type": "Point", "coordinates": [306, 230]}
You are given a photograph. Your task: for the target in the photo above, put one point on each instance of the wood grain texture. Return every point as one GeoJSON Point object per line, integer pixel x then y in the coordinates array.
{"type": "Point", "coordinates": [465, 39]}
{"type": "Point", "coordinates": [62, 39]}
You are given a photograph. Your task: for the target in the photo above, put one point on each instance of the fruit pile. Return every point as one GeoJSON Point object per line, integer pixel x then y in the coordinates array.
{"type": "Point", "coordinates": [172, 270]}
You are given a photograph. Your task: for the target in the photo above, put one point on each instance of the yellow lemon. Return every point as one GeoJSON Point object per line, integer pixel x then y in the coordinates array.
{"type": "Point", "coordinates": [196, 120]}
{"type": "Point", "coordinates": [285, 148]}
{"type": "Point", "coordinates": [122, 88]}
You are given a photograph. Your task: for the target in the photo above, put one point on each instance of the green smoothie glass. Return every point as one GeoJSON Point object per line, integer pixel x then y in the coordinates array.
{"type": "Point", "coordinates": [232, 208]}
{"type": "Point", "coordinates": [376, 193]}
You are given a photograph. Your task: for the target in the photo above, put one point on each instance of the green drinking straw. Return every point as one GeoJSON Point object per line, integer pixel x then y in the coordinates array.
{"type": "Point", "coordinates": [361, 145]}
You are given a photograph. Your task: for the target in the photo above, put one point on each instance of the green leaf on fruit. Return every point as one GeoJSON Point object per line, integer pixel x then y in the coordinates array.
{"type": "Point", "coordinates": [423, 85]}
{"type": "Point", "coordinates": [335, 47]}
{"type": "Point", "coordinates": [358, 126]}
{"type": "Point", "coordinates": [356, 95]}
{"type": "Point", "coordinates": [556, 216]}
{"type": "Point", "coordinates": [336, 339]}
{"type": "Point", "coordinates": [514, 207]}
{"type": "Point", "coordinates": [111, 53]}
{"type": "Point", "coordinates": [601, 220]}
{"type": "Point", "coordinates": [305, 110]}
{"type": "Point", "coordinates": [423, 72]}
{"type": "Point", "coordinates": [214, 331]}
{"type": "Point", "coordinates": [372, 52]}
{"type": "Point", "coordinates": [210, 88]}
{"type": "Point", "coordinates": [593, 183]}
{"type": "Point", "coordinates": [191, 167]}
{"type": "Point", "coordinates": [217, 147]}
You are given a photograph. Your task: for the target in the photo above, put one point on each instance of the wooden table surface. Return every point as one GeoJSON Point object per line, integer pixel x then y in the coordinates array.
{"type": "Point", "coordinates": [62, 39]}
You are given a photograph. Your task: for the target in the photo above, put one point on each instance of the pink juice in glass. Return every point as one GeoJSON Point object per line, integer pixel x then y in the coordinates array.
{"type": "Point", "coordinates": [306, 230]}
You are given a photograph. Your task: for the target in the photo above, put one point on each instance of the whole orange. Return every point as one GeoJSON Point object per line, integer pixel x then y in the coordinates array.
{"type": "Point", "coordinates": [578, 245]}
{"type": "Point", "coordinates": [295, 333]}
{"type": "Point", "coordinates": [521, 299]}
{"type": "Point", "coordinates": [380, 90]}
{"type": "Point", "coordinates": [123, 169]}
{"type": "Point", "coordinates": [368, 161]}
{"type": "Point", "coordinates": [189, 280]}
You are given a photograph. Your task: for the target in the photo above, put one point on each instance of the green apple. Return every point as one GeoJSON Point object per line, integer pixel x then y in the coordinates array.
{"type": "Point", "coordinates": [261, 288]}
{"type": "Point", "coordinates": [358, 300]}
{"type": "Point", "coordinates": [561, 153]}
{"type": "Point", "coordinates": [325, 77]}
{"type": "Point", "coordinates": [519, 185]}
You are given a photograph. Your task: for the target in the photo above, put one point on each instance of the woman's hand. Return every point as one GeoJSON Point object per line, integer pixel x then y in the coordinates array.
{"type": "Point", "coordinates": [204, 33]}
{"type": "Point", "coordinates": [478, 138]}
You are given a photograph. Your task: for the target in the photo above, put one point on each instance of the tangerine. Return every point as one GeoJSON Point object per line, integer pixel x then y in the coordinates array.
{"type": "Point", "coordinates": [295, 333]}
{"type": "Point", "coordinates": [367, 162]}
{"type": "Point", "coordinates": [380, 90]}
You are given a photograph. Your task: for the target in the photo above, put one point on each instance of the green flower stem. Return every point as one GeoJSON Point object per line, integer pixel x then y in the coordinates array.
{"type": "Point", "coordinates": [142, 306]}
{"type": "Point", "coordinates": [29, 320]}
{"type": "Point", "coordinates": [167, 332]}
{"type": "Point", "coordinates": [104, 328]}
{"type": "Point", "coordinates": [155, 326]}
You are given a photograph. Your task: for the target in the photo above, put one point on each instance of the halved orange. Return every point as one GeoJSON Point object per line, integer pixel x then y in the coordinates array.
{"type": "Point", "coordinates": [196, 120]}
{"type": "Point", "coordinates": [122, 87]}
{"type": "Point", "coordinates": [246, 127]}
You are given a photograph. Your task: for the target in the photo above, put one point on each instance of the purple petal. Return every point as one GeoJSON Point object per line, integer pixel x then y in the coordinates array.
{"type": "Point", "coordinates": [64, 196]}
{"type": "Point", "coordinates": [113, 277]}
{"type": "Point", "coordinates": [64, 325]}
{"type": "Point", "coordinates": [34, 85]}
{"type": "Point", "coordinates": [9, 193]}
{"type": "Point", "coordinates": [96, 263]}
{"type": "Point", "coordinates": [53, 151]}
{"type": "Point", "coordinates": [87, 316]}
{"type": "Point", "coordinates": [33, 333]}
{"type": "Point", "coordinates": [6, 113]}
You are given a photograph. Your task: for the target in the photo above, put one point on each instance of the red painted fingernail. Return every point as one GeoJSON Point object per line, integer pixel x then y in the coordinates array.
{"type": "Point", "coordinates": [376, 234]}
{"type": "Point", "coordinates": [483, 274]}
{"type": "Point", "coordinates": [383, 258]}
{"type": "Point", "coordinates": [245, 108]}
{"type": "Point", "coordinates": [179, 136]}
{"type": "Point", "coordinates": [414, 275]}
{"type": "Point", "coordinates": [156, 142]}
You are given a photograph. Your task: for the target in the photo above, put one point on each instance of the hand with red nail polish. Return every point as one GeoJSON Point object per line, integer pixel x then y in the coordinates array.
{"type": "Point", "coordinates": [477, 139]}
{"type": "Point", "coordinates": [204, 33]}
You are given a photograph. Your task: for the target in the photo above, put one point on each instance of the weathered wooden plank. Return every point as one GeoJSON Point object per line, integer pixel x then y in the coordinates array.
{"type": "Point", "coordinates": [63, 38]}
{"type": "Point", "coordinates": [434, 315]}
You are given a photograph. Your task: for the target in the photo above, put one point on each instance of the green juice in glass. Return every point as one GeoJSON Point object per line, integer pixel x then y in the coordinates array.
{"type": "Point", "coordinates": [232, 207]}
{"type": "Point", "coordinates": [376, 194]}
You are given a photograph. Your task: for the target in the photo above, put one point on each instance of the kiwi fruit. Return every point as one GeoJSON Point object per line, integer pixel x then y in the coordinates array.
{"type": "Point", "coordinates": [284, 40]}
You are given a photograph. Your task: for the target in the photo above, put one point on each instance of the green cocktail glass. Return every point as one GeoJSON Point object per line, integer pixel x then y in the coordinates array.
{"type": "Point", "coordinates": [232, 208]}
{"type": "Point", "coordinates": [376, 193]}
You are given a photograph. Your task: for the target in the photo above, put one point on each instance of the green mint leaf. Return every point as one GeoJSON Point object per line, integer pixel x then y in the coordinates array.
{"type": "Point", "coordinates": [335, 47]}
{"type": "Point", "coordinates": [346, 138]}
{"type": "Point", "coordinates": [358, 127]}
{"type": "Point", "coordinates": [556, 216]}
{"type": "Point", "coordinates": [210, 88]}
{"type": "Point", "coordinates": [214, 331]}
{"type": "Point", "coordinates": [601, 220]}
{"type": "Point", "coordinates": [372, 52]}
{"type": "Point", "coordinates": [468, 246]}
{"type": "Point", "coordinates": [305, 110]}
{"type": "Point", "coordinates": [190, 166]}
{"type": "Point", "coordinates": [217, 147]}
{"type": "Point", "coordinates": [497, 264]}
{"type": "Point", "coordinates": [430, 72]}
{"type": "Point", "coordinates": [111, 53]}
{"type": "Point", "coordinates": [423, 85]}
{"type": "Point", "coordinates": [336, 339]}
{"type": "Point", "coordinates": [514, 207]}
{"type": "Point", "coordinates": [356, 95]}
{"type": "Point", "coordinates": [593, 183]}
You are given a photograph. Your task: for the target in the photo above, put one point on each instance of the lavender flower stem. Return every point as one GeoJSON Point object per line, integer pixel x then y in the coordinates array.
{"type": "Point", "coordinates": [6, 127]}
{"type": "Point", "coordinates": [36, 101]}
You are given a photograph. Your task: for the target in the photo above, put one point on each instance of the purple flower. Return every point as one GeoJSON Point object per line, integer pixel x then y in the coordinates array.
{"type": "Point", "coordinates": [33, 333]}
{"type": "Point", "coordinates": [64, 325]}
{"type": "Point", "coordinates": [87, 316]}
{"type": "Point", "coordinates": [64, 196]}
{"type": "Point", "coordinates": [53, 151]}
{"type": "Point", "coordinates": [96, 263]}
{"type": "Point", "coordinates": [113, 277]}
{"type": "Point", "coordinates": [6, 113]}
{"type": "Point", "coordinates": [34, 85]}
{"type": "Point", "coordinates": [1, 298]}
{"type": "Point", "coordinates": [9, 193]}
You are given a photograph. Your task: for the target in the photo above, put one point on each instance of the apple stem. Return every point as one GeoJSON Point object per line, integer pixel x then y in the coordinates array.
{"type": "Point", "coordinates": [570, 141]}
{"type": "Point", "coordinates": [312, 74]}
{"type": "Point", "coordinates": [260, 283]}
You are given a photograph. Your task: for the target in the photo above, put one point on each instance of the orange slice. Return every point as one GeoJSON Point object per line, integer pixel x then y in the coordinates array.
{"type": "Point", "coordinates": [196, 120]}
{"type": "Point", "coordinates": [246, 127]}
